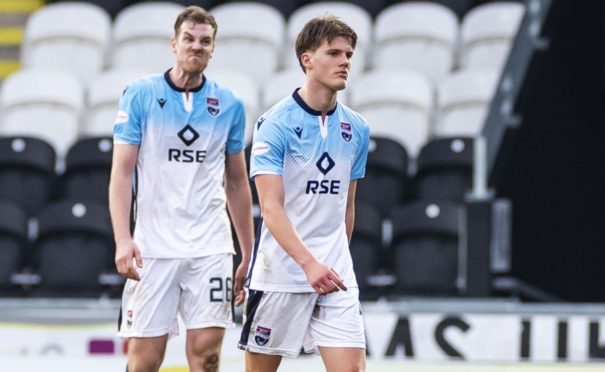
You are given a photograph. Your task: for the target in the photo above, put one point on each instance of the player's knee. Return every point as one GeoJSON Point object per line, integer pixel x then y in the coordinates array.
{"type": "Point", "coordinates": [211, 362]}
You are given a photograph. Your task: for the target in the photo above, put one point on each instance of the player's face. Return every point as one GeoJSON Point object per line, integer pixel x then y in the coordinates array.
{"type": "Point", "coordinates": [193, 46]}
{"type": "Point", "coordinates": [329, 65]}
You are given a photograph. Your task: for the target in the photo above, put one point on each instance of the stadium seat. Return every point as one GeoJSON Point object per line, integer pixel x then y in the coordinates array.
{"type": "Point", "coordinates": [426, 247]}
{"type": "Point", "coordinates": [13, 241]}
{"type": "Point", "coordinates": [418, 36]}
{"type": "Point", "coordinates": [386, 180]}
{"type": "Point", "coordinates": [249, 39]}
{"type": "Point", "coordinates": [27, 172]}
{"type": "Point", "coordinates": [397, 105]}
{"type": "Point", "coordinates": [486, 34]}
{"type": "Point", "coordinates": [104, 92]}
{"type": "Point", "coordinates": [87, 170]}
{"type": "Point", "coordinates": [42, 103]}
{"type": "Point", "coordinates": [354, 15]}
{"type": "Point", "coordinates": [73, 248]}
{"type": "Point", "coordinates": [244, 87]}
{"type": "Point", "coordinates": [444, 169]}
{"type": "Point", "coordinates": [70, 36]}
{"type": "Point", "coordinates": [281, 85]}
{"type": "Point", "coordinates": [463, 100]}
{"type": "Point", "coordinates": [141, 36]}
{"type": "Point", "coordinates": [366, 245]}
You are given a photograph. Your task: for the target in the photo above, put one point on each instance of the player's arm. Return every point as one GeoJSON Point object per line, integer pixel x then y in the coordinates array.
{"type": "Point", "coordinates": [271, 196]}
{"type": "Point", "coordinates": [350, 213]}
{"type": "Point", "coordinates": [239, 202]}
{"type": "Point", "coordinates": [120, 199]}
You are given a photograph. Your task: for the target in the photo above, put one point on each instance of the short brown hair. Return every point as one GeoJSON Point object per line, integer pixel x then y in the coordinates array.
{"type": "Point", "coordinates": [320, 29]}
{"type": "Point", "coordinates": [197, 15]}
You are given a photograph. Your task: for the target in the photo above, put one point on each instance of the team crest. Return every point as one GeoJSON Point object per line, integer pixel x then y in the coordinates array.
{"type": "Point", "coordinates": [261, 336]}
{"type": "Point", "coordinates": [129, 319]}
{"type": "Point", "coordinates": [213, 107]}
{"type": "Point", "coordinates": [345, 131]}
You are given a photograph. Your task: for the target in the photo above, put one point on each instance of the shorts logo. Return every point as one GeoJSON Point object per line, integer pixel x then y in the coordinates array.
{"type": "Point", "coordinates": [261, 336]}
{"type": "Point", "coordinates": [345, 131]}
{"type": "Point", "coordinates": [213, 107]}
{"type": "Point", "coordinates": [129, 319]}
{"type": "Point", "coordinates": [260, 148]}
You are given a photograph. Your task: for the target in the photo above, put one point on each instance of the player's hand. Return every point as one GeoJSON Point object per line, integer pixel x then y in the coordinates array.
{"type": "Point", "coordinates": [126, 254]}
{"type": "Point", "coordinates": [323, 278]}
{"type": "Point", "coordinates": [240, 278]}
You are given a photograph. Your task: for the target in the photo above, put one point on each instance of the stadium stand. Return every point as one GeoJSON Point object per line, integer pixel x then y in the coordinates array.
{"type": "Point", "coordinates": [240, 36]}
{"type": "Point", "coordinates": [70, 36]}
{"type": "Point", "coordinates": [142, 34]}
{"type": "Point", "coordinates": [280, 85]}
{"type": "Point", "coordinates": [426, 248]}
{"type": "Point", "coordinates": [418, 36]}
{"type": "Point", "coordinates": [73, 248]}
{"type": "Point", "coordinates": [397, 104]}
{"type": "Point", "coordinates": [444, 169]}
{"type": "Point", "coordinates": [386, 181]}
{"type": "Point", "coordinates": [13, 242]}
{"type": "Point", "coordinates": [27, 172]}
{"type": "Point", "coordinates": [42, 103]}
{"type": "Point", "coordinates": [13, 16]}
{"type": "Point", "coordinates": [87, 169]}
{"type": "Point", "coordinates": [486, 34]}
{"type": "Point", "coordinates": [103, 94]}
{"type": "Point", "coordinates": [366, 247]}
{"type": "Point", "coordinates": [463, 99]}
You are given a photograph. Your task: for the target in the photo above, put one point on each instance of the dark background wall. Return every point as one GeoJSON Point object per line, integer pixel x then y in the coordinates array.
{"type": "Point", "coordinates": [556, 176]}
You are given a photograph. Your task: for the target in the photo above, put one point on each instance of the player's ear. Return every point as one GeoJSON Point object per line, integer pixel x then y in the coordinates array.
{"type": "Point", "coordinates": [173, 45]}
{"type": "Point", "coordinates": [305, 60]}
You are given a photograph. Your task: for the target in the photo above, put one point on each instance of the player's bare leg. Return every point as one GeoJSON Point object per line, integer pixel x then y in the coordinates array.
{"type": "Point", "coordinates": [343, 359]}
{"type": "Point", "coordinates": [256, 362]}
{"type": "Point", "coordinates": [146, 354]}
{"type": "Point", "coordinates": [204, 349]}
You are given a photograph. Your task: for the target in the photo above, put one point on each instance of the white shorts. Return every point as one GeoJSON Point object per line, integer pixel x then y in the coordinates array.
{"type": "Point", "coordinates": [280, 323]}
{"type": "Point", "coordinates": [199, 289]}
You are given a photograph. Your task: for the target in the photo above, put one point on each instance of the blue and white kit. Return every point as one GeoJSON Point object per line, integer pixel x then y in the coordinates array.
{"type": "Point", "coordinates": [316, 159]}
{"type": "Point", "coordinates": [183, 139]}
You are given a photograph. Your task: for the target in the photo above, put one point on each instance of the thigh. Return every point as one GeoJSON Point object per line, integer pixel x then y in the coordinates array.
{"type": "Point", "coordinates": [337, 359]}
{"type": "Point", "coordinates": [337, 321]}
{"type": "Point", "coordinates": [204, 348]}
{"type": "Point", "coordinates": [150, 305]}
{"type": "Point", "coordinates": [276, 322]}
{"type": "Point", "coordinates": [206, 298]}
{"type": "Point", "coordinates": [146, 353]}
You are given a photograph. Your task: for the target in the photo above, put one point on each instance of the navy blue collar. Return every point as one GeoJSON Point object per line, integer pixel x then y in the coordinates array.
{"type": "Point", "coordinates": [173, 86]}
{"type": "Point", "coordinates": [306, 107]}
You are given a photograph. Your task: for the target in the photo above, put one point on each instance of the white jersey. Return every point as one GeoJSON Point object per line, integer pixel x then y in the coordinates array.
{"type": "Point", "coordinates": [317, 160]}
{"type": "Point", "coordinates": [180, 199]}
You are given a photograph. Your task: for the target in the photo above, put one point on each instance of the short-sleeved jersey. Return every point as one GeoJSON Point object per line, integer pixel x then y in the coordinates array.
{"type": "Point", "coordinates": [316, 160]}
{"type": "Point", "coordinates": [183, 141]}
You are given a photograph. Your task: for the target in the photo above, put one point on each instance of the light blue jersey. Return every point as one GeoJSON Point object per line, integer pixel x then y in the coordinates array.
{"type": "Point", "coordinates": [183, 140]}
{"type": "Point", "coordinates": [317, 160]}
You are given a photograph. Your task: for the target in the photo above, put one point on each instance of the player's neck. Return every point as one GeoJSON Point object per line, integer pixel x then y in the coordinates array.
{"type": "Point", "coordinates": [318, 98]}
{"type": "Point", "coordinates": [185, 80]}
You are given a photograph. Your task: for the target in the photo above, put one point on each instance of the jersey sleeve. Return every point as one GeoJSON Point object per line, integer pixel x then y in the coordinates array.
{"type": "Point", "coordinates": [235, 141]}
{"type": "Point", "coordinates": [361, 158]}
{"type": "Point", "coordinates": [268, 149]}
{"type": "Point", "coordinates": [128, 123]}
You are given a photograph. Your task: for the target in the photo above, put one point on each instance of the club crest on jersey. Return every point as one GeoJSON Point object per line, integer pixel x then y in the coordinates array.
{"type": "Point", "coordinates": [345, 131]}
{"type": "Point", "coordinates": [261, 336]}
{"type": "Point", "coordinates": [213, 107]}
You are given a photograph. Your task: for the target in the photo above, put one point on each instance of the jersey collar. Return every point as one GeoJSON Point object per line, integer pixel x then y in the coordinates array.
{"type": "Point", "coordinates": [171, 84]}
{"type": "Point", "coordinates": [306, 107]}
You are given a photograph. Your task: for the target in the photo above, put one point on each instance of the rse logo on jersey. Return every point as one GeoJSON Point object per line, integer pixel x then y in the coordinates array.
{"type": "Point", "coordinates": [325, 165]}
{"type": "Point", "coordinates": [188, 135]}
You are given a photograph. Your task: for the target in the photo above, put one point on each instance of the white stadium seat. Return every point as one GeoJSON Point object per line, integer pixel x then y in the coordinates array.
{"type": "Point", "coordinates": [42, 103]}
{"type": "Point", "coordinates": [354, 15]}
{"type": "Point", "coordinates": [245, 88]}
{"type": "Point", "coordinates": [397, 104]}
{"type": "Point", "coordinates": [104, 93]}
{"type": "Point", "coordinates": [281, 85]}
{"type": "Point", "coordinates": [72, 36]}
{"type": "Point", "coordinates": [141, 36]}
{"type": "Point", "coordinates": [249, 39]}
{"type": "Point", "coordinates": [462, 102]}
{"type": "Point", "coordinates": [487, 32]}
{"type": "Point", "coordinates": [418, 36]}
